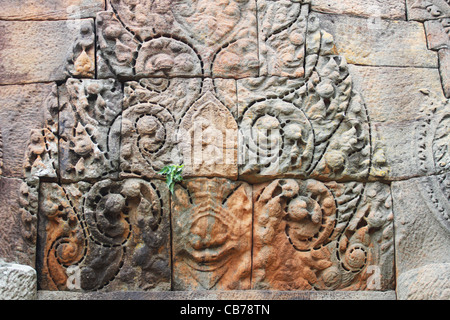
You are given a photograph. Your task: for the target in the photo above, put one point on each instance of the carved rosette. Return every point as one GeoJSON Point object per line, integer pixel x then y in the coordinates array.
{"type": "Point", "coordinates": [323, 236]}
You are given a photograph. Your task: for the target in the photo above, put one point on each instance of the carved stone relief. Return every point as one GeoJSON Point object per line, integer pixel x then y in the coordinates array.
{"type": "Point", "coordinates": [109, 235]}
{"type": "Point", "coordinates": [183, 38]}
{"type": "Point", "coordinates": [326, 236]}
{"type": "Point", "coordinates": [254, 100]}
{"type": "Point", "coordinates": [434, 143]}
{"type": "Point", "coordinates": [436, 17]}
{"type": "Point", "coordinates": [89, 128]}
{"type": "Point", "coordinates": [211, 221]}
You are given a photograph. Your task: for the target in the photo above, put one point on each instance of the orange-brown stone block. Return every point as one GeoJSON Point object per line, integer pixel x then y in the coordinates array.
{"type": "Point", "coordinates": [310, 235]}
{"type": "Point", "coordinates": [211, 221]}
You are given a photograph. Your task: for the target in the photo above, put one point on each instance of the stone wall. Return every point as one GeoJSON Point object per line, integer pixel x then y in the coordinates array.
{"type": "Point", "coordinates": [314, 136]}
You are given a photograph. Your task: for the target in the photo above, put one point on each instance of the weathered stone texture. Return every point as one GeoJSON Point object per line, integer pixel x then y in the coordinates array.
{"type": "Point", "coordinates": [49, 9]}
{"type": "Point", "coordinates": [444, 69]}
{"type": "Point", "coordinates": [219, 295]}
{"type": "Point", "coordinates": [17, 282]}
{"type": "Point", "coordinates": [307, 130]}
{"type": "Point", "coordinates": [28, 125]}
{"type": "Point", "coordinates": [207, 38]}
{"type": "Point", "coordinates": [212, 221]}
{"type": "Point", "coordinates": [104, 236]}
{"type": "Point", "coordinates": [426, 10]}
{"type": "Point", "coordinates": [18, 227]}
{"type": "Point", "coordinates": [381, 43]}
{"type": "Point", "coordinates": [163, 125]}
{"type": "Point", "coordinates": [43, 51]}
{"type": "Point", "coordinates": [430, 282]}
{"type": "Point", "coordinates": [390, 9]}
{"type": "Point", "coordinates": [421, 238]}
{"type": "Point", "coordinates": [89, 128]}
{"type": "Point", "coordinates": [394, 94]}
{"type": "Point", "coordinates": [311, 235]}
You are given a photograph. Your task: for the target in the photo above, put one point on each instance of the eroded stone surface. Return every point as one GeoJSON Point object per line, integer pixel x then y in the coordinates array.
{"type": "Point", "coordinates": [425, 10]}
{"type": "Point", "coordinates": [43, 51]}
{"type": "Point", "coordinates": [28, 124]}
{"type": "Point", "coordinates": [391, 9]}
{"type": "Point", "coordinates": [211, 221]}
{"type": "Point", "coordinates": [17, 282]}
{"type": "Point", "coordinates": [311, 235]}
{"type": "Point", "coordinates": [318, 128]}
{"type": "Point", "coordinates": [444, 69]}
{"type": "Point", "coordinates": [104, 236]}
{"type": "Point", "coordinates": [282, 29]}
{"type": "Point", "coordinates": [50, 10]}
{"type": "Point", "coordinates": [381, 43]}
{"type": "Point", "coordinates": [430, 282]}
{"type": "Point", "coordinates": [433, 151]}
{"type": "Point", "coordinates": [187, 38]}
{"type": "Point", "coordinates": [393, 94]}
{"type": "Point", "coordinates": [89, 128]}
{"type": "Point", "coordinates": [421, 234]}
{"type": "Point", "coordinates": [18, 227]}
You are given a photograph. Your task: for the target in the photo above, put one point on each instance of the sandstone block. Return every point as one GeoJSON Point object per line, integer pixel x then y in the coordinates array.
{"type": "Point", "coordinates": [384, 43]}
{"type": "Point", "coordinates": [18, 211]}
{"type": "Point", "coordinates": [28, 127]}
{"type": "Point", "coordinates": [417, 147]}
{"type": "Point", "coordinates": [49, 10]}
{"type": "Point", "coordinates": [282, 32]}
{"type": "Point", "coordinates": [163, 125]}
{"type": "Point", "coordinates": [444, 69]}
{"type": "Point", "coordinates": [108, 236]}
{"type": "Point", "coordinates": [389, 9]}
{"type": "Point", "coordinates": [290, 128]}
{"type": "Point", "coordinates": [44, 51]}
{"type": "Point", "coordinates": [89, 128]}
{"type": "Point", "coordinates": [421, 225]}
{"type": "Point", "coordinates": [332, 236]}
{"type": "Point", "coordinates": [430, 282]}
{"type": "Point", "coordinates": [212, 222]}
{"type": "Point", "coordinates": [394, 94]}
{"type": "Point", "coordinates": [17, 282]}
{"type": "Point", "coordinates": [421, 10]}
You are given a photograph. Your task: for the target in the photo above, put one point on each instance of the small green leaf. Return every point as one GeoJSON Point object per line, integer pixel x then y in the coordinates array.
{"type": "Point", "coordinates": [173, 174]}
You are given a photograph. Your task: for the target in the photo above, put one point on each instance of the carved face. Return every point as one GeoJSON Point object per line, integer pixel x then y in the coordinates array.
{"type": "Point", "coordinates": [212, 230]}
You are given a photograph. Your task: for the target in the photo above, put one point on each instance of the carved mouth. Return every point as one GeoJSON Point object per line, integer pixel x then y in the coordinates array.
{"type": "Point", "coordinates": [210, 259]}
{"type": "Point", "coordinates": [210, 241]}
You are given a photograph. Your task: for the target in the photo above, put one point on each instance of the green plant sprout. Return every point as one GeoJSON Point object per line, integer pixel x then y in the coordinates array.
{"type": "Point", "coordinates": [173, 175]}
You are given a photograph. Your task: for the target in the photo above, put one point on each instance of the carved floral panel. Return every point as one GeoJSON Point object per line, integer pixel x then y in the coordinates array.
{"type": "Point", "coordinates": [322, 236]}
{"type": "Point", "coordinates": [178, 38]}
{"type": "Point", "coordinates": [104, 236]}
